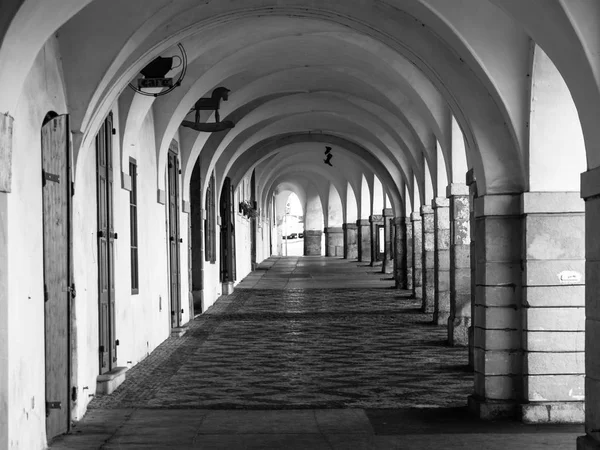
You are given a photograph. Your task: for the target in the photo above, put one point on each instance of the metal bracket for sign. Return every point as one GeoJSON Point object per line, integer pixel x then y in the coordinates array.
{"type": "Point", "coordinates": [47, 176]}
{"type": "Point", "coordinates": [52, 405]}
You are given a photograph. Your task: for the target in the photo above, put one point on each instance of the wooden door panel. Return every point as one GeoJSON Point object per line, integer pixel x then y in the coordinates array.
{"type": "Point", "coordinates": [106, 280]}
{"type": "Point", "coordinates": [174, 236]}
{"type": "Point", "coordinates": [55, 199]}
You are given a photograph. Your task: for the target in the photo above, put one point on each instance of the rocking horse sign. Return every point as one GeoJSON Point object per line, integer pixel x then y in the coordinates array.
{"type": "Point", "coordinates": [211, 103]}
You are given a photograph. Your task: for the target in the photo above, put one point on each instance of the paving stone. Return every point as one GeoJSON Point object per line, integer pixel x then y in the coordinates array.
{"type": "Point", "coordinates": [293, 363]}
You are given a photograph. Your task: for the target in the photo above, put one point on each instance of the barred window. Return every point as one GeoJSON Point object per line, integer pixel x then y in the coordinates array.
{"type": "Point", "coordinates": [133, 227]}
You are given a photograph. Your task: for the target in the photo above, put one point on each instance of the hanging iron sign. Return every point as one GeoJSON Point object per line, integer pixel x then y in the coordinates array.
{"type": "Point", "coordinates": [154, 74]}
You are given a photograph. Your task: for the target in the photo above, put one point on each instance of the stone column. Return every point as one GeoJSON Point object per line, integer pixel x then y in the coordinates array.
{"type": "Point", "coordinates": [350, 241]}
{"type": "Point", "coordinates": [400, 253]}
{"type": "Point", "coordinates": [363, 230]}
{"type": "Point", "coordinates": [553, 306]}
{"type": "Point", "coordinates": [441, 260]}
{"type": "Point", "coordinates": [334, 241]}
{"type": "Point", "coordinates": [497, 319]}
{"type": "Point", "coordinates": [388, 253]}
{"type": "Point", "coordinates": [409, 253]}
{"type": "Point", "coordinates": [590, 191]}
{"type": "Point", "coordinates": [376, 221]}
{"type": "Point", "coordinates": [460, 265]}
{"type": "Point", "coordinates": [417, 256]}
{"type": "Point", "coordinates": [312, 242]}
{"type": "Point", "coordinates": [428, 259]}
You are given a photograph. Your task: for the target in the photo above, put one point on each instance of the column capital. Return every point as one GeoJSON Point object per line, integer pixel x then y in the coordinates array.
{"type": "Point", "coordinates": [388, 212]}
{"type": "Point", "coordinates": [333, 229]}
{"type": "Point", "coordinates": [551, 202]}
{"type": "Point", "coordinates": [440, 202]}
{"type": "Point", "coordinates": [415, 217]}
{"type": "Point", "coordinates": [498, 205]}
{"type": "Point", "coordinates": [456, 189]}
{"type": "Point", "coordinates": [349, 226]}
{"type": "Point", "coordinates": [426, 210]}
{"type": "Point", "coordinates": [375, 218]}
{"type": "Point", "coordinates": [362, 222]}
{"type": "Point", "coordinates": [590, 183]}
{"type": "Point", "coordinates": [399, 221]}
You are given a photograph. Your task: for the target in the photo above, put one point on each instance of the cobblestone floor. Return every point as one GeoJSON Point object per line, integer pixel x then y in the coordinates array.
{"type": "Point", "coordinates": [303, 334]}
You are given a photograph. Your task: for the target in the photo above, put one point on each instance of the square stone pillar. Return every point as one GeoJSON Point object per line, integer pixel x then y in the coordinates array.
{"type": "Point", "coordinates": [350, 241]}
{"type": "Point", "coordinates": [473, 194]}
{"type": "Point", "coordinates": [460, 265]}
{"type": "Point", "coordinates": [388, 253]}
{"type": "Point", "coordinates": [441, 260]}
{"type": "Point", "coordinates": [334, 241]}
{"type": "Point", "coordinates": [428, 229]}
{"type": "Point", "coordinates": [363, 230]}
{"type": "Point", "coordinates": [376, 221]}
{"type": "Point", "coordinates": [400, 253]}
{"type": "Point", "coordinates": [553, 307]}
{"type": "Point", "coordinates": [409, 254]}
{"type": "Point", "coordinates": [6, 144]}
{"type": "Point", "coordinates": [417, 255]}
{"type": "Point", "coordinates": [312, 242]}
{"type": "Point", "coordinates": [497, 318]}
{"type": "Point", "coordinates": [590, 191]}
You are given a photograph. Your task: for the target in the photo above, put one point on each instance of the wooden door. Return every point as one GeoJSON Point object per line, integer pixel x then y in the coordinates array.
{"type": "Point", "coordinates": [227, 232]}
{"type": "Point", "coordinates": [106, 237]}
{"type": "Point", "coordinates": [196, 238]}
{"type": "Point", "coordinates": [58, 290]}
{"type": "Point", "coordinates": [174, 240]}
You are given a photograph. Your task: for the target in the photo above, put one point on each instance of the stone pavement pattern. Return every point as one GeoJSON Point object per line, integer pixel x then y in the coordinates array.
{"type": "Point", "coordinates": [307, 353]}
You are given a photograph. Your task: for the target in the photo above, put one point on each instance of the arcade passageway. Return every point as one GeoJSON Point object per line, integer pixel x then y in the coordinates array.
{"type": "Point", "coordinates": [381, 211]}
{"type": "Point", "coordinates": [308, 353]}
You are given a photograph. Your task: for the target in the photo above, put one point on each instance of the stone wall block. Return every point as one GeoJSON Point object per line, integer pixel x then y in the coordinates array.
{"type": "Point", "coordinates": [493, 318]}
{"type": "Point", "coordinates": [497, 339]}
{"type": "Point", "coordinates": [544, 296]}
{"type": "Point", "coordinates": [554, 319]}
{"type": "Point", "coordinates": [497, 387]}
{"type": "Point", "coordinates": [495, 362]}
{"type": "Point", "coordinates": [541, 388]}
{"type": "Point", "coordinates": [553, 363]}
{"type": "Point", "coordinates": [553, 341]}
{"type": "Point", "coordinates": [555, 236]}
{"type": "Point", "coordinates": [499, 296]}
{"type": "Point", "coordinates": [498, 236]}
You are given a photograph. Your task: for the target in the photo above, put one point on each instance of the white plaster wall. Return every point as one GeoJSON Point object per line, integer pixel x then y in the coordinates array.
{"type": "Point", "coordinates": [243, 248]}
{"type": "Point", "coordinates": [26, 406]}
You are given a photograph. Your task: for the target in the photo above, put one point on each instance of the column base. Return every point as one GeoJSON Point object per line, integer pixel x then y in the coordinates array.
{"type": "Point", "coordinates": [553, 412]}
{"type": "Point", "coordinates": [458, 331]}
{"type": "Point", "coordinates": [587, 443]}
{"type": "Point", "coordinates": [227, 288]}
{"type": "Point", "coordinates": [387, 266]}
{"type": "Point", "coordinates": [491, 409]}
{"type": "Point", "coordinates": [441, 318]}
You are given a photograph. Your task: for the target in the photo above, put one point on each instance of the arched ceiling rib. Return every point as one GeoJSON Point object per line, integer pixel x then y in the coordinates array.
{"type": "Point", "coordinates": [401, 66]}
{"type": "Point", "coordinates": [394, 30]}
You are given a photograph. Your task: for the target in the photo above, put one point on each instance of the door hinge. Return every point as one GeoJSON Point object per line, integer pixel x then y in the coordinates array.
{"type": "Point", "coordinates": [114, 131]}
{"type": "Point", "coordinates": [71, 289]}
{"type": "Point", "coordinates": [74, 393]}
{"type": "Point", "coordinates": [72, 188]}
{"type": "Point", "coordinates": [117, 342]}
{"type": "Point", "coordinates": [45, 293]}
{"type": "Point", "coordinates": [52, 405]}
{"type": "Point", "coordinates": [101, 349]}
{"type": "Point", "coordinates": [47, 176]}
